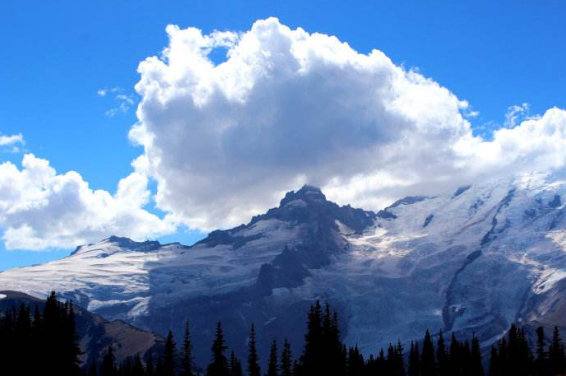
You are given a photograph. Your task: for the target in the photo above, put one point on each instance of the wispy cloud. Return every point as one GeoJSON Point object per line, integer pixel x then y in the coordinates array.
{"type": "Point", "coordinates": [467, 110]}
{"type": "Point", "coordinates": [122, 101]}
{"type": "Point", "coordinates": [12, 143]}
{"type": "Point", "coordinates": [516, 114]}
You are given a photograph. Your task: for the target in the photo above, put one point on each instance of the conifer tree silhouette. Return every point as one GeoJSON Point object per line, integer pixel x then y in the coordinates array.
{"type": "Point", "coordinates": [253, 358]}
{"type": "Point", "coordinates": [219, 364]}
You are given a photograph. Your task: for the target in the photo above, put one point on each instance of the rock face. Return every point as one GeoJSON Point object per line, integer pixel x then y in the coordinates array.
{"type": "Point", "coordinates": [473, 260]}
{"type": "Point", "coordinates": [95, 334]}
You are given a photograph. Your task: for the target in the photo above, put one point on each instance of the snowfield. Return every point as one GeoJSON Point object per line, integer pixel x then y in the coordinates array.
{"type": "Point", "coordinates": [474, 260]}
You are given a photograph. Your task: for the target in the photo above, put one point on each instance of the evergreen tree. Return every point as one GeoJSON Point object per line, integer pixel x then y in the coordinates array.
{"type": "Point", "coordinates": [126, 368]}
{"type": "Point", "coordinates": [541, 356]}
{"type": "Point", "coordinates": [556, 357]}
{"type": "Point", "coordinates": [71, 348]}
{"type": "Point", "coordinates": [414, 360]}
{"type": "Point", "coordinates": [219, 364]}
{"type": "Point", "coordinates": [465, 358]}
{"type": "Point", "coordinates": [494, 368]}
{"type": "Point", "coordinates": [37, 334]}
{"type": "Point", "coordinates": [454, 359]}
{"type": "Point", "coordinates": [273, 367]}
{"type": "Point", "coordinates": [159, 366]}
{"type": "Point", "coordinates": [137, 366]}
{"type": "Point", "coordinates": [428, 363]}
{"type": "Point", "coordinates": [332, 362]}
{"type": "Point", "coordinates": [513, 353]}
{"type": "Point", "coordinates": [235, 366]}
{"type": "Point", "coordinates": [395, 365]}
{"type": "Point", "coordinates": [253, 358]}
{"type": "Point", "coordinates": [524, 355]}
{"type": "Point", "coordinates": [108, 366]}
{"type": "Point", "coordinates": [337, 362]}
{"type": "Point", "coordinates": [286, 359]}
{"type": "Point", "coordinates": [149, 367]}
{"type": "Point", "coordinates": [45, 342]}
{"type": "Point", "coordinates": [503, 357]}
{"type": "Point", "coordinates": [169, 356]}
{"type": "Point", "coordinates": [311, 360]}
{"type": "Point", "coordinates": [476, 368]}
{"type": "Point", "coordinates": [21, 336]}
{"type": "Point", "coordinates": [187, 362]}
{"type": "Point", "coordinates": [442, 357]}
{"type": "Point", "coordinates": [92, 371]}
{"type": "Point", "coordinates": [380, 364]}
{"type": "Point", "coordinates": [355, 364]}
{"type": "Point", "coordinates": [399, 367]}
{"type": "Point", "coordinates": [371, 366]}
{"type": "Point", "coordinates": [344, 358]}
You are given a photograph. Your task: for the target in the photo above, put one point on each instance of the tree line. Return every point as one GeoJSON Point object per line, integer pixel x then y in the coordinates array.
{"type": "Point", "coordinates": [39, 342]}
{"type": "Point", "coordinates": [46, 343]}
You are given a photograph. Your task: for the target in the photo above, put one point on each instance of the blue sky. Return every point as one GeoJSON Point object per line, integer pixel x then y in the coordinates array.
{"type": "Point", "coordinates": [57, 55]}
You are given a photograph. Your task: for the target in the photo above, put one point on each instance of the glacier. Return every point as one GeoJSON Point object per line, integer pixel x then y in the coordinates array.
{"type": "Point", "coordinates": [470, 261]}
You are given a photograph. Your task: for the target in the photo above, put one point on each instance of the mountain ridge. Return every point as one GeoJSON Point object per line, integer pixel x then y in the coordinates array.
{"type": "Point", "coordinates": [473, 260]}
{"type": "Point", "coordinates": [94, 333]}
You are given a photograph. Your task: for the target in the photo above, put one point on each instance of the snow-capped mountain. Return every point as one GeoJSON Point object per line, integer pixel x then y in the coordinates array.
{"type": "Point", "coordinates": [474, 260]}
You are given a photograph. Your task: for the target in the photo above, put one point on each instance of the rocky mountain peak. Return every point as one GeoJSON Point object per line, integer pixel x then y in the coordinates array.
{"type": "Point", "coordinates": [117, 242]}
{"type": "Point", "coordinates": [124, 242]}
{"type": "Point", "coordinates": [307, 194]}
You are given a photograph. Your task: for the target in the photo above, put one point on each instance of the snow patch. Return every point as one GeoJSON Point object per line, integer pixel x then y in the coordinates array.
{"type": "Point", "coordinates": [297, 202]}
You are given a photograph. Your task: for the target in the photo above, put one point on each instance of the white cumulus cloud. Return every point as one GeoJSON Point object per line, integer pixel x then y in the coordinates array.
{"type": "Point", "coordinates": [223, 141]}
{"type": "Point", "coordinates": [286, 107]}
{"type": "Point", "coordinates": [41, 209]}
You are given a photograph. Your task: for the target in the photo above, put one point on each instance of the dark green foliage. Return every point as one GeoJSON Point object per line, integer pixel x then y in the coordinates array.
{"type": "Point", "coordinates": [312, 359]}
{"type": "Point", "coordinates": [187, 361]}
{"type": "Point", "coordinates": [125, 368]}
{"type": "Point", "coordinates": [253, 358]}
{"type": "Point", "coordinates": [442, 356]}
{"type": "Point", "coordinates": [219, 364]}
{"type": "Point", "coordinates": [324, 351]}
{"type": "Point", "coordinates": [149, 367]}
{"type": "Point", "coordinates": [428, 362]}
{"type": "Point", "coordinates": [137, 367]}
{"type": "Point", "coordinates": [476, 368]}
{"type": "Point", "coordinates": [541, 361]}
{"type": "Point", "coordinates": [273, 366]}
{"type": "Point", "coordinates": [556, 357]}
{"type": "Point", "coordinates": [395, 364]}
{"type": "Point", "coordinates": [235, 366]}
{"type": "Point", "coordinates": [92, 371]}
{"type": "Point", "coordinates": [44, 342]}
{"type": "Point", "coordinates": [494, 368]}
{"type": "Point", "coordinates": [286, 359]}
{"type": "Point", "coordinates": [108, 367]}
{"type": "Point", "coordinates": [159, 366]}
{"type": "Point", "coordinates": [36, 342]}
{"type": "Point", "coordinates": [169, 356]}
{"type": "Point", "coordinates": [512, 355]}
{"type": "Point", "coordinates": [414, 367]}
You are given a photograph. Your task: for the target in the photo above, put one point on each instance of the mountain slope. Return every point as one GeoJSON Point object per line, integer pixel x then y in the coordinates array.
{"type": "Point", "coordinates": [473, 260]}
{"type": "Point", "coordinates": [94, 333]}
